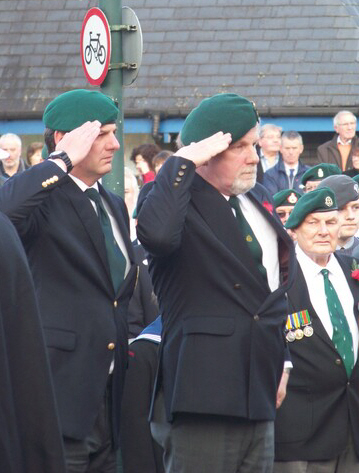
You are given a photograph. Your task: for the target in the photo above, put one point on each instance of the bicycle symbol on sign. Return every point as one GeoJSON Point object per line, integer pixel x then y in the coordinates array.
{"type": "Point", "coordinates": [96, 48]}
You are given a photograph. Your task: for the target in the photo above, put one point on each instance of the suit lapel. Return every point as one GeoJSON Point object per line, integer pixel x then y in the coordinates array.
{"type": "Point", "coordinates": [124, 230]}
{"type": "Point", "coordinates": [89, 220]}
{"type": "Point", "coordinates": [217, 213]}
{"type": "Point", "coordinates": [298, 299]}
{"type": "Point", "coordinates": [353, 283]}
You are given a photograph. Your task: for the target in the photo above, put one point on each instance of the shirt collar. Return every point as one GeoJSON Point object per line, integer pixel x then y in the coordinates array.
{"type": "Point", "coordinates": [347, 245]}
{"type": "Point", "coordinates": [310, 268]}
{"type": "Point", "coordinates": [339, 141]}
{"type": "Point", "coordinates": [82, 185]}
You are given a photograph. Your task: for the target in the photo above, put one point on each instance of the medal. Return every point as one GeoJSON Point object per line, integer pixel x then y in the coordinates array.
{"type": "Point", "coordinates": [308, 330]}
{"type": "Point", "coordinates": [298, 325]}
{"type": "Point", "coordinates": [299, 334]}
{"type": "Point", "coordinates": [290, 336]}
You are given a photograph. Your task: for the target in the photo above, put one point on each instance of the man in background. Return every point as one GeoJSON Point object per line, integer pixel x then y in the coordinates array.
{"type": "Point", "coordinates": [314, 175]}
{"type": "Point", "coordinates": [339, 149]}
{"type": "Point", "coordinates": [346, 193]}
{"type": "Point", "coordinates": [11, 143]}
{"type": "Point", "coordinates": [287, 173]}
{"type": "Point", "coordinates": [268, 148]}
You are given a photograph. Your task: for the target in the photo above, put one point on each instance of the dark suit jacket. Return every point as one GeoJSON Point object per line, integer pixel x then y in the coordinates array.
{"type": "Point", "coordinates": [81, 314]}
{"type": "Point", "coordinates": [328, 152]}
{"type": "Point", "coordinates": [30, 440]}
{"type": "Point", "coordinates": [321, 406]}
{"type": "Point", "coordinates": [143, 307]}
{"type": "Point", "coordinates": [276, 179]}
{"type": "Point", "coordinates": [220, 319]}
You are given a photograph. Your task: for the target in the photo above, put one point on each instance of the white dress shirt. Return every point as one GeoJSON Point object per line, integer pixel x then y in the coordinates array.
{"type": "Point", "coordinates": [266, 236]}
{"type": "Point", "coordinates": [114, 225]}
{"type": "Point", "coordinates": [315, 283]}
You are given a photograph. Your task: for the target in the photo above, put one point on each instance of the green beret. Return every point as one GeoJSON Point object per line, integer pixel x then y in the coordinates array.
{"type": "Point", "coordinates": [72, 109]}
{"type": "Point", "coordinates": [356, 178]}
{"type": "Point", "coordinates": [319, 172]}
{"type": "Point", "coordinates": [319, 200]}
{"type": "Point", "coordinates": [286, 197]}
{"type": "Point", "coordinates": [229, 113]}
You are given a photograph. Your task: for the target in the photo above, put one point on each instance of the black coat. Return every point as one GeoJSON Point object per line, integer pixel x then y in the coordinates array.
{"type": "Point", "coordinates": [143, 307]}
{"type": "Point", "coordinates": [30, 440]}
{"type": "Point", "coordinates": [223, 345]}
{"type": "Point", "coordinates": [321, 406]}
{"type": "Point", "coordinates": [329, 152]}
{"type": "Point", "coordinates": [81, 315]}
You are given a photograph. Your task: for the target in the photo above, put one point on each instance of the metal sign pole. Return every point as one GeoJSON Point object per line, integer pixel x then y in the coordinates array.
{"type": "Point", "coordinates": [113, 87]}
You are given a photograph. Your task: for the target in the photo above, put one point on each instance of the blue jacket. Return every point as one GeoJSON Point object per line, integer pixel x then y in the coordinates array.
{"type": "Point", "coordinates": [276, 179]}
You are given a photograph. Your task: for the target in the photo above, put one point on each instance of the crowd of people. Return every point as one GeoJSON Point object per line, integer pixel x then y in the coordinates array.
{"type": "Point", "coordinates": [206, 323]}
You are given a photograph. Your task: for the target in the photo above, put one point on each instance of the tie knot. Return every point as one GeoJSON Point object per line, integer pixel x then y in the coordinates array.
{"type": "Point", "coordinates": [233, 202]}
{"type": "Point", "coordinates": [325, 273]}
{"type": "Point", "coordinates": [94, 195]}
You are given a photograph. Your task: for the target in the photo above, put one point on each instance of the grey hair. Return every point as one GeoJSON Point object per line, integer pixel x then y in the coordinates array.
{"type": "Point", "coordinates": [339, 114]}
{"type": "Point", "coordinates": [293, 135]}
{"type": "Point", "coordinates": [11, 136]}
{"type": "Point", "coordinates": [268, 127]}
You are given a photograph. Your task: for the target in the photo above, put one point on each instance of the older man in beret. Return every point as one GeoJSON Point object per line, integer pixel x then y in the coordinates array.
{"type": "Point", "coordinates": [76, 235]}
{"type": "Point", "coordinates": [346, 191]}
{"type": "Point", "coordinates": [317, 426]}
{"type": "Point", "coordinates": [218, 258]}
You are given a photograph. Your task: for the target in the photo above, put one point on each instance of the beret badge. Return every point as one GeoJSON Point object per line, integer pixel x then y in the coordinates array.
{"type": "Point", "coordinates": [292, 198]}
{"type": "Point", "coordinates": [329, 201]}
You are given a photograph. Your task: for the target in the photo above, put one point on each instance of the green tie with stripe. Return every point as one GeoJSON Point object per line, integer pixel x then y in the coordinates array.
{"type": "Point", "coordinates": [247, 232]}
{"type": "Point", "coordinates": [342, 337]}
{"type": "Point", "coordinates": [116, 259]}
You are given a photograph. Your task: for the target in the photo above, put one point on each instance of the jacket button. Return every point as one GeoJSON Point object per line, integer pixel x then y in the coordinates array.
{"type": "Point", "coordinates": [175, 184]}
{"type": "Point", "coordinates": [338, 361]}
{"type": "Point", "coordinates": [256, 317]}
{"type": "Point", "coordinates": [111, 346]}
{"type": "Point", "coordinates": [44, 184]}
{"type": "Point", "coordinates": [183, 166]}
{"type": "Point", "coordinates": [237, 286]}
{"type": "Point", "coordinates": [115, 304]}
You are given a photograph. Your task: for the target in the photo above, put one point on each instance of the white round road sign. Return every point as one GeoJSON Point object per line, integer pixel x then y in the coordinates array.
{"type": "Point", "coordinates": [95, 46]}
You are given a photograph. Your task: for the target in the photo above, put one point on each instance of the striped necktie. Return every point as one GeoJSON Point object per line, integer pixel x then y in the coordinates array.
{"type": "Point", "coordinates": [116, 259]}
{"type": "Point", "coordinates": [249, 236]}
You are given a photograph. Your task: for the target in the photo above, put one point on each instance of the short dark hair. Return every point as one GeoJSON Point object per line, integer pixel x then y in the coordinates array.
{"type": "Point", "coordinates": [161, 157]}
{"type": "Point", "coordinates": [50, 140]}
{"type": "Point", "coordinates": [147, 151]}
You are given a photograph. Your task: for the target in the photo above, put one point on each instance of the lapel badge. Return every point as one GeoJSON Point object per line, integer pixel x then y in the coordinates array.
{"type": "Point", "coordinates": [320, 172]}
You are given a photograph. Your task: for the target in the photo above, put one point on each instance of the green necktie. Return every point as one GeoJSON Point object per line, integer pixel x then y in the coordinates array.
{"type": "Point", "coordinates": [342, 337]}
{"type": "Point", "coordinates": [248, 234]}
{"type": "Point", "coordinates": [115, 256]}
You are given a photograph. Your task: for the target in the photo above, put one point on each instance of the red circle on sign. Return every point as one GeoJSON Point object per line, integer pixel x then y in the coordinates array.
{"type": "Point", "coordinates": [98, 13]}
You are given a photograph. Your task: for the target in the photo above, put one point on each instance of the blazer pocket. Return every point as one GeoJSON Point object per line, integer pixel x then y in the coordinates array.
{"type": "Point", "coordinates": [58, 338]}
{"type": "Point", "coordinates": [209, 325]}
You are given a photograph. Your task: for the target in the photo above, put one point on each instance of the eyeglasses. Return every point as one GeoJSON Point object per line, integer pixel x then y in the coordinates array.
{"type": "Point", "coordinates": [348, 124]}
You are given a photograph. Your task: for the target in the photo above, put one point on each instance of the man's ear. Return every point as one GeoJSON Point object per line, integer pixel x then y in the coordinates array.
{"type": "Point", "coordinates": [58, 135]}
